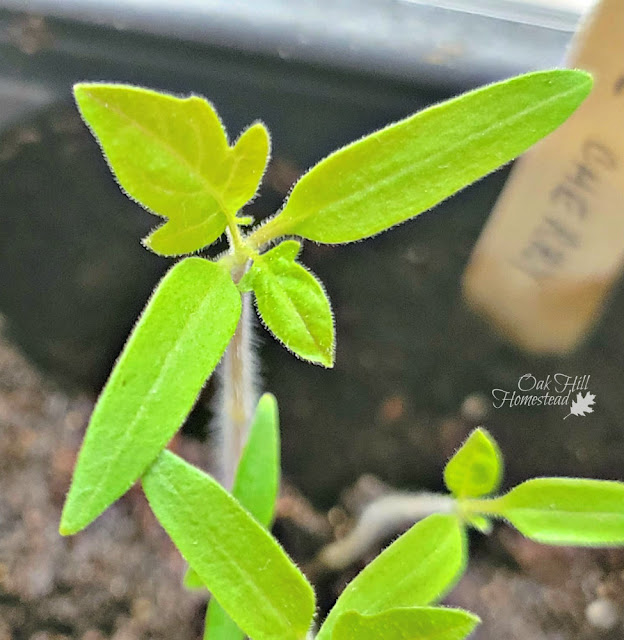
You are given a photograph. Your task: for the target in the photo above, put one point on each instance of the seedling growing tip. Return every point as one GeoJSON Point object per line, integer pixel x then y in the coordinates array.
{"type": "Point", "coordinates": [172, 156]}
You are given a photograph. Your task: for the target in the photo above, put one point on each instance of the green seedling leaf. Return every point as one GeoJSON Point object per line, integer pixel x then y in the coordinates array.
{"type": "Point", "coordinates": [480, 523]}
{"type": "Point", "coordinates": [219, 626]}
{"type": "Point", "coordinates": [250, 157]}
{"type": "Point", "coordinates": [415, 570]}
{"type": "Point", "coordinates": [255, 486]}
{"type": "Point", "coordinates": [172, 156]}
{"type": "Point", "coordinates": [192, 581]}
{"type": "Point", "coordinates": [236, 558]}
{"type": "Point", "coordinates": [257, 477]}
{"type": "Point", "coordinates": [566, 511]}
{"type": "Point", "coordinates": [476, 469]}
{"type": "Point", "coordinates": [408, 167]}
{"type": "Point", "coordinates": [292, 303]}
{"type": "Point", "coordinates": [417, 623]}
{"type": "Point", "coordinates": [175, 346]}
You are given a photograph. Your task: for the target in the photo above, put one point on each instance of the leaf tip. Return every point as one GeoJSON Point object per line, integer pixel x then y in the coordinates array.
{"type": "Point", "coordinates": [67, 527]}
{"type": "Point", "coordinates": [584, 82]}
{"type": "Point", "coordinates": [260, 130]}
{"type": "Point", "coordinates": [83, 91]}
{"type": "Point", "coordinates": [579, 80]}
{"type": "Point", "coordinates": [482, 434]}
{"type": "Point", "coordinates": [80, 88]}
{"type": "Point", "coordinates": [81, 94]}
{"type": "Point", "coordinates": [585, 78]}
{"type": "Point", "coordinates": [268, 401]}
{"type": "Point", "coordinates": [472, 619]}
{"type": "Point", "coordinates": [74, 518]}
{"type": "Point", "coordinates": [151, 243]}
{"type": "Point", "coordinates": [324, 358]}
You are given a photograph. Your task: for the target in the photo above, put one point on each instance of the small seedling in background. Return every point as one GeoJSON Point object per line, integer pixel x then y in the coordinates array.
{"type": "Point", "coordinates": [172, 155]}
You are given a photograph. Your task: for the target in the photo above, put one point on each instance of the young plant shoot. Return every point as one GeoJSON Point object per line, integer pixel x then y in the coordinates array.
{"type": "Point", "coordinates": [173, 157]}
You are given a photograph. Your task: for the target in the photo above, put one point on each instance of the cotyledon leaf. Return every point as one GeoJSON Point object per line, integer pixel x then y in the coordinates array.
{"type": "Point", "coordinates": [240, 562]}
{"type": "Point", "coordinates": [415, 623]}
{"type": "Point", "coordinates": [566, 511]}
{"type": "Point", "coordinates": [408, 167]}
{"type": "Point", "coordinates": [476, 469]}
{"type": "Point", "coordinates": [256, 483]}
{"type": "Point", "coordinates": [219, 626]}
{"type": "Point", "coordinates": [173, 349]}
{"type": "Point", "coordinates": [193, 582]}
{"type": "Point", "coordinates": [172, 156]}
{"type": "Point", "coordinates": [415, 570]}
{"type": "Point", "coordinates": [292, 303]}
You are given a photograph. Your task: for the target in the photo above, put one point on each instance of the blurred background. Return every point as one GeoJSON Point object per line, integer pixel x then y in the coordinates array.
{"type": "Point", "coordinates": [415, 368]}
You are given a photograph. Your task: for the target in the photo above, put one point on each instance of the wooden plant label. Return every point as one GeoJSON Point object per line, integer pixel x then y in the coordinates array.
{"type": "Point", "coordinates": [554, 244]}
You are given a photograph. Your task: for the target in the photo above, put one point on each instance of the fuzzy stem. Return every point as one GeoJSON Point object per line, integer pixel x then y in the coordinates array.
{"type": "Point", "coordinates": [378, 520]}
{"type": "Point", "coordinates": [238, 393]}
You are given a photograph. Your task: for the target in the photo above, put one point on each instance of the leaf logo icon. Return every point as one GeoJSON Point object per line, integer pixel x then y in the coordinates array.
{"type": "Point", "coordinates": [582, 405]}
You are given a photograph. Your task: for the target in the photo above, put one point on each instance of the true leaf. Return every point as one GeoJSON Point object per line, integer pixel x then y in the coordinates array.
{"type": "Point", "coordinates": [476, 469]}
{"type": "Point", "coordinates": [292, 303]}
{"type": "Point", "coordinates": [408, 167]}
{"type": "Point", "coordinates": [172, 156]}
{"type": "Point", "coordinates": [251, 155]}
{"type": "Point", "coordinates": [416, 623]}
{"type": "Point", "coordinates": [566, 511]}
{"type": "Point", "coordinates": [173, 349]}
{"type": "Point", "coordinates": [237, 559]}
{"type": "Point", "coordinates": [257, 477]}
{"type": "Point", "coordinates": [415, 570]}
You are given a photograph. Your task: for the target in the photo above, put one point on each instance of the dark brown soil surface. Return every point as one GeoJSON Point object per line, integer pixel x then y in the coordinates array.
{"type": "Point", "coordinates": [121, 578]}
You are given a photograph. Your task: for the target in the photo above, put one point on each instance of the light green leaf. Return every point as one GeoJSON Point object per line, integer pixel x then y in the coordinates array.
{"type": "Point", "coordinates": [236, 558]}
{"type": "Point", "coordinates": [415, 570]}
{"type": "Point", "coordinates": [219, 626]}
{"type": "Point", "coordinates": [565, 511]}
{"type": "Point", "coordinates": [416, 623]}
{"type": "Point", "coordinates": [192, 581]}
{"type": "Point", "coordinates": [172, 156]}
{"type": "Point", "coordinates": [408, 167]}
{"type": "Point", "coordinates": [257, 477]}
{"type": "Point", "coordinates": [292, 303]}
{"type": "Point", "coordinates": [251, 155]}
{"type": "Point", "coordinates": [476, 469]}
{"type": "Point", "coordinates": [480, 523]}
{"type": "Point", "coordinates": [175, 346]}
